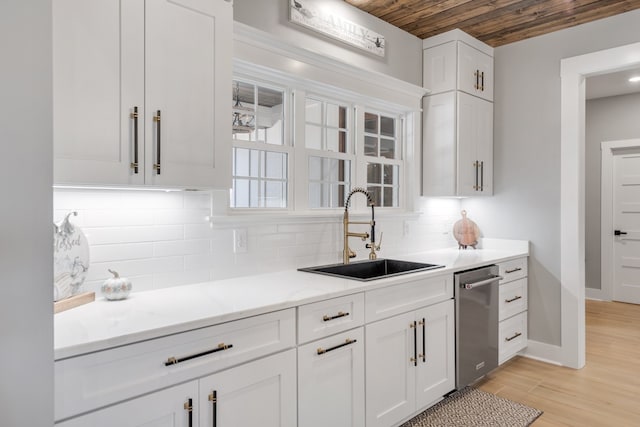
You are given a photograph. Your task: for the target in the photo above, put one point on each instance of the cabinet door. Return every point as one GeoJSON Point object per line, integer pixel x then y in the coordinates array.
{"type": "Point", "coordinates": [261, 393]}
{"type": "Point", "coordinates": [475, 72]}
{"type": "Point", "coordinates": [188, 80]}
{"type": "Point", "coordinates": [165, 408]}
{"type": "Point", "coordinates": [475, 146]}
{"type": "Point", "coordinates": [436, 375]}
{"type": "Point", "coordinates": [98, 79]}
{"type": "Point", "coordinates": [390, 372]}
{"type": "Point", "coordinates": [331, 381]}
{"type": "Point", "coordinates": [439, 67]}
{"type": "Point", "coordinates": [439, 145]}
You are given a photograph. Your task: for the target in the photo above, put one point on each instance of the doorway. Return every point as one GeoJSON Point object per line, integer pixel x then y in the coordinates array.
{"type": "Point", "coordinates": [620, 219]}
{"type": "Point", "coordinates": [572, 217]}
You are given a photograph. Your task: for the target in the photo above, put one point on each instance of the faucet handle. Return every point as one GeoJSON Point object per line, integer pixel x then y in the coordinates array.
{"type": "Point", "coordinates": [375, 247]}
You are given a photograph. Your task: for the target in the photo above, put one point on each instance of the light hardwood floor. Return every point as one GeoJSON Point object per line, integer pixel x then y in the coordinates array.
{"type": "Point", "coordinates": [606, 392]}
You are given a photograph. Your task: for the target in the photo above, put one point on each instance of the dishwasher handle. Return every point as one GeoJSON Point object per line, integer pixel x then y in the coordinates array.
{"type": "Point", "coordinates": [484, 282]}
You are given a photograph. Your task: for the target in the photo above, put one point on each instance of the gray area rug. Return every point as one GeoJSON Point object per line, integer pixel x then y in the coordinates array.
{"type": "Point", "coordinates": [471, 407]}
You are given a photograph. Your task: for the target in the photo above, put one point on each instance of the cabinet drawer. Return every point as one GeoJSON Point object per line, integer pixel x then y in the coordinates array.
{"type": "Point", "coordinates": [513, 269]}
{"type": "Point", "coordinates": [392, 300]}
{"type": "Point", "coordinates": [329, 317]}
{"type": "Point", "coordinates": [94, 380]}
{"type": "Point", "coordinates": [512, 336]}
{"type": "Point", "coordinates": [513, 298]}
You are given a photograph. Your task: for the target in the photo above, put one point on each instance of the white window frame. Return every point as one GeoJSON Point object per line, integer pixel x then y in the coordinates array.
{"type": "Point", "coordinates": [296, 91]}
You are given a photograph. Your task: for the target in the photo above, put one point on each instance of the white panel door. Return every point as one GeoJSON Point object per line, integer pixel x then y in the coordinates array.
{"type": "Point", "coordinates": [165, 408]}
{"type": "Point", "coordinates": [436, 374]}
{"type": "Point", "coordinates": [626, 219]}
{"type": "Point", "coordinates": [331, 381]}
{"type": "Point", "coordinates": [98, 79]}
{"type": "Point", "coordinates": [188, 80]}
{"type": "Point", "coordinates": [475, 72]}
{"type": "Point", "coordinates": [439, 145]}
{"type": "Point", "coordinates": [390, 372]}
{"type": "Point", "coordinates": [261, 393]}
{"type": "Point", "coordinates": [440, 67]}
{"type": "Point", "coordinates": [475, 146]}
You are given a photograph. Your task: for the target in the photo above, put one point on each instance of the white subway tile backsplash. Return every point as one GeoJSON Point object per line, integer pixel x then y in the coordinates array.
{"type": "Point", "coordinates": [112, 235]}
{"type": "Point", "coordinates": [161, 239]}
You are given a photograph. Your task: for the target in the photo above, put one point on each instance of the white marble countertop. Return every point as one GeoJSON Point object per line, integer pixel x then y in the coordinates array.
{"type": "Point", "coordinates": [104, 324]}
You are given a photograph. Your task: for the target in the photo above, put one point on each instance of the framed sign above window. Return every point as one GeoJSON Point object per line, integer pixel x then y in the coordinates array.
{"type": "Point", "coordinates": [310, 14]}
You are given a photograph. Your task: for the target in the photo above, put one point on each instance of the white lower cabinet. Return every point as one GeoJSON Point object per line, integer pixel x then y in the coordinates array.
{"type": "Point", "coordinates": [410, 363]}
{"type": "Point", "coordinates": [165, 408]}
{"type": "Point", "coordinates": [261, 393]}
{"type": "Point", "coordinates": [331, 381]}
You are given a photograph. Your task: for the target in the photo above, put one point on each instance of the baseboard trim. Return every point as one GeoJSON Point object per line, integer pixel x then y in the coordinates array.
{"type": "Point", "coordinates": [543, 352]}
{"type": "Point", "coordinates": [595, 294]}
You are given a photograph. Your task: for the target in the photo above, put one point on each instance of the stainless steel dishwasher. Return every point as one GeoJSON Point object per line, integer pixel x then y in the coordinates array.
{"type": "Point", "coordinates": [476, 295]}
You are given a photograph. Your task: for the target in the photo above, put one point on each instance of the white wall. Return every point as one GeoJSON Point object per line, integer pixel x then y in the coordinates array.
{"type": "Point", "coordinates": [607, 119]}
{"type": "Point", "coordinates": [526, 204]}
{"type": "Point", "coordinates": [26, 245]}
{"type": "Point", "coordinates": [403, 58]}
{"type": "Point", "coordinates": [160, 239]}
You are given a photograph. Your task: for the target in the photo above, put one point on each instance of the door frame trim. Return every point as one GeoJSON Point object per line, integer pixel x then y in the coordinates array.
{"type": "Point", "coordinates": [609, 149]}
{"type": "Point", "coordinates": [573, 72]}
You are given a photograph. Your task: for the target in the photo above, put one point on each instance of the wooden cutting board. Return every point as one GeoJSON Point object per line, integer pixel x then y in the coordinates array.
{"type": "Point", "coordinates": [73, 301]}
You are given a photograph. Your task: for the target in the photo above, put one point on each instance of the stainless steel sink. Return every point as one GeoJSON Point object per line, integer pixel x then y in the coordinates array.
{"type": "Point", "coordinates": [370, 270]}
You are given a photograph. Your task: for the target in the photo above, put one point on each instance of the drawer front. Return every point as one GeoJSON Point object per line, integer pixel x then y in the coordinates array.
{"type": "Point", "coordinates": [324, 318]}
{"type": "Point", "coordinates": [88, 382]}
{"type": "Point", "coordinates": [513, 270]}
{"type": "Point", "coordinates": [513, 336]}
{"type": "Point", "coordinates": [392, 300]}
{"type": "Point", "coordinates": [513, 298]}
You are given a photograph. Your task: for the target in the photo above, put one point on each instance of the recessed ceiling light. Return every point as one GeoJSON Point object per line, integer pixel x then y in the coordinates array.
{"type": "Point", "coordinates": [634, 79]}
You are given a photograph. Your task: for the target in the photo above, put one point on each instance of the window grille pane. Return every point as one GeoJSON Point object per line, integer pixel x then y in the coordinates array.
{"type": "Point", "coordinates": [313, 111]}
{"type": "Point", "coordinates": [388, 148]}
{"type": "Point", "coordinates": [387, 126]}
{"type": "Point", "coordinates": [270, 116]}
{"type": "Point", "coordinates": [241, 193]}
{"type": "Point", "coordinates": [313, 137]}
{"type": "Point", "coordinates": [275, 165]}
{"type": "Point", "coordinates": [389, 199]}
{"type": "Point", "coordinates": [254, 163]}
{"type": "Point", "coordinates": [374, 173]}
{"type": "Point", "coordinates": [333, 115]}
{"type": "Point", "coordinates": [241, 162]}
{"type": "Point", "coordinates": [375, 195]}
{"type": "Point", "coordinates": [328, 181]}
{"type": "Point", "coordinates": [371, 146]}
{"type": "Point", "coordinates": [371, 123]}
{"type": "Point", "coordinates": [391, 174]}
{"type": "Point", "coordinates": [274, 192]}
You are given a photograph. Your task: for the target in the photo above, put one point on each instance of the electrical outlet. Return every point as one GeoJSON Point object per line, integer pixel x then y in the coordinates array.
{"type": "Point", "coordinates": [240, 240]}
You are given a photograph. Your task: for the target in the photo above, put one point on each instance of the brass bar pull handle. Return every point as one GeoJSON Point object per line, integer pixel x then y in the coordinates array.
{"type": "Point", "coordinates": [174, 360]}
{"type": "Point", "coordinates": [475, 186]}
{"type": "Point", "coordinates": [340, 314]}
{"type": "Point", "coordinates": [348, 341]}
{"type": "Point", "coordinates": [477, 85]}
{"type": "Point", "coordinates": [513, 270]}
{"type": "Point", "coordinates": [213, 398]}
{"type": "Point", "coordinates": [135, 163]}
{"type": "Point", "coordinates": [482, 175]}
{"type": "Point", "coordinates": [188, 406]}
{"type": "Point", "coordinates": [424, 340]}
{"type": "Point", "coordinates": [414, 359]}
{"type": "Point", "coordinates": [157, 164]}
{"type": "Point", "coordinates": [482, 81]}
{"type": "Point", "coordinates": [516, 298]}
{"type": "Point", "coordinates": [516, 335]}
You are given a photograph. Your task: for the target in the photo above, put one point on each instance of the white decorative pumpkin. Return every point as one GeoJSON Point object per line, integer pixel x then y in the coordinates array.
{"type": "Point", "coordinates": [116, 287]}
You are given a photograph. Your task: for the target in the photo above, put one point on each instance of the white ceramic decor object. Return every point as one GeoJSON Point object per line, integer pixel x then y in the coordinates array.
{"type": "Point", "coordinates": [116, 287]}
{"type": "Point", "coordinates": [70, 258]}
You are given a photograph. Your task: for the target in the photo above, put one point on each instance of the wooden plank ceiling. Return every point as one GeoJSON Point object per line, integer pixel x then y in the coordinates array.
{"type": "Point", "coordinates": [495, 22]}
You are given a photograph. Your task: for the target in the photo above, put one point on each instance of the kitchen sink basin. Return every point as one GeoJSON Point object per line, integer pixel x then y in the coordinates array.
{"type": "Point", "coordinates": [370, 270]}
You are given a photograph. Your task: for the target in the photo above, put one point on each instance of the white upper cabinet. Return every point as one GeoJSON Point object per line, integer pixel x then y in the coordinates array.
{"type": "Point", "coordinates": [141, 92]}
{"type": "Point", "coordinates": [456, 65]}
{"type": "Point", "coordinates": [475, 72]}
{"type": "Point", "coordinates": [457, 116]}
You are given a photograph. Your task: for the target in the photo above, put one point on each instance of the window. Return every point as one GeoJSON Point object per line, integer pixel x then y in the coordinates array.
{"type": "Point", "coordinates": [383, 154]}
{"type": "Point", "coordinates": [301, 146]}
{"type": "Point", "coordinates": [260, 155]}
{"type": "Point", "coordinates": [329, 152]}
